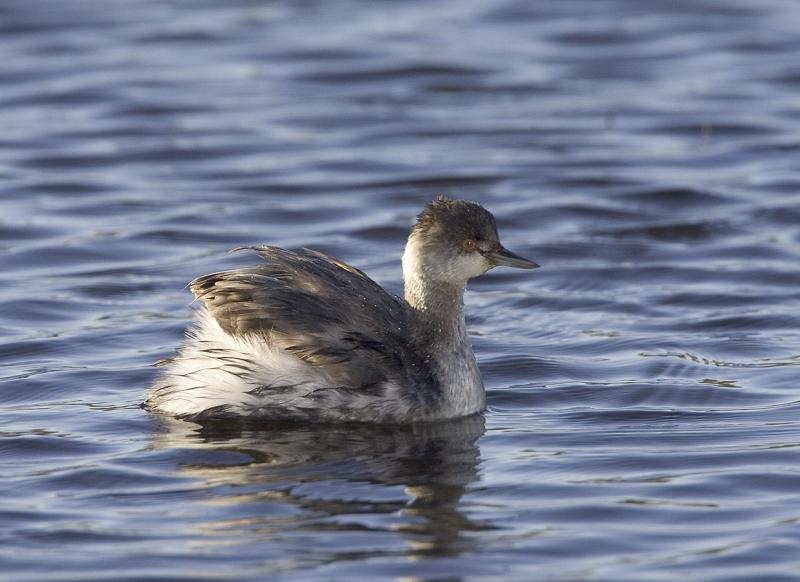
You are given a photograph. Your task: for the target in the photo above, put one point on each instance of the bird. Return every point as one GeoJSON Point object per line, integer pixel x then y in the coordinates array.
{"type": "Point", "coordinates": [305, 337]}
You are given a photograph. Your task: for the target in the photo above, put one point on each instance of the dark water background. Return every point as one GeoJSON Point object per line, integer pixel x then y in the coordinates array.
{"type": "Point", "coordinates": [643, 386]}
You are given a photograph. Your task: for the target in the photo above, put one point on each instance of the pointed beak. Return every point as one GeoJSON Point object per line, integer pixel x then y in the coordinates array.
{"type": "Point", "coordinates": [502, 257]}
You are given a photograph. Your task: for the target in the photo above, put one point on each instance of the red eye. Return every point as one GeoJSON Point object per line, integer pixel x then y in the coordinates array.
{"type": "Point", "coordinates": [468, 244]}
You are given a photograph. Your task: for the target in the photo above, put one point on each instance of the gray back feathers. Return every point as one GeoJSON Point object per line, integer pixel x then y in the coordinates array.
{"type": "Point", "coordinates": [321, 310]}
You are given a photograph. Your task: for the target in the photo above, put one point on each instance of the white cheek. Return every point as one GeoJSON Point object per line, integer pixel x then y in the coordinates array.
{"type": "Point", "coordinates": [467, 267]}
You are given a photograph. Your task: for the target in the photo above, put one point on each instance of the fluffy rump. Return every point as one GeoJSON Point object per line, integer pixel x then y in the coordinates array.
{"type": "Point", "coordinates": [300, 336]}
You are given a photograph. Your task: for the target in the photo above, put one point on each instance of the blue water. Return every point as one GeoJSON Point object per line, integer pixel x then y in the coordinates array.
{"type": "Point", "coordinates": [643, 385]}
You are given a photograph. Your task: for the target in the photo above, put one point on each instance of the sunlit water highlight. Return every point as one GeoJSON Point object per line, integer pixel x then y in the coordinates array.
{"type": "Point", "coordinates": [643, 386]}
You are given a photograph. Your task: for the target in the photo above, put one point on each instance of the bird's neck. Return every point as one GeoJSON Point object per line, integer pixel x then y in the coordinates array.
{"type": "Point", "coordinates": [439, 334]}
{"type": "Point", "coordinates": [437, 306]}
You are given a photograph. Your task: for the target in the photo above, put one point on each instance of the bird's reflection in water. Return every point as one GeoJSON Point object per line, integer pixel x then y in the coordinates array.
{"type": "Point", "coordinates": [317, 480]}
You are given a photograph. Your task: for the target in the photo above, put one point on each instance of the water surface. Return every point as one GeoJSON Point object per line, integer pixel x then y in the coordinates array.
{"type": "Point", "coordinates": [643, 386]}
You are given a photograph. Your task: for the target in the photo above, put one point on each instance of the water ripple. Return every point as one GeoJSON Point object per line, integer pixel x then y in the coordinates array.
{"type": "Point", "coordinates": [642, 384]}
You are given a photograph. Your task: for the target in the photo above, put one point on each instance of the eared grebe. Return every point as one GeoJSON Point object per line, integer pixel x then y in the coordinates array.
{"type": "Point", "coordinates": [304, 336]}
